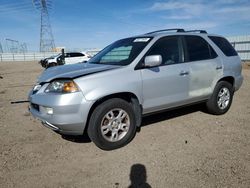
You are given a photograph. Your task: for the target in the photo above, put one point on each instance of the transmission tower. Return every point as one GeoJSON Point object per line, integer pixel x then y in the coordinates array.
{"type": "Point", "coordinates": [12, 45]}
{"type": "Point", "coordinates": [46, 37]}
{"type": "Point", "coordinates": [23, 47]}
{"type": "Point", "coordinates": [1, 48]}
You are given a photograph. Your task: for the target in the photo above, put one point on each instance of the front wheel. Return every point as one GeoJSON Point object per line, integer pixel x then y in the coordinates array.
{"type": "Point", "coordinates": [221, 99]}
{"type": "Point", "coordinates": [112, 124]}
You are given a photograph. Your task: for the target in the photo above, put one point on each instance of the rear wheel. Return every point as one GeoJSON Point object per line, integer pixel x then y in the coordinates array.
{"type": "Point", "coordinates": [112, 124]}
{"type": "Point", "coordinates": [221, 99]}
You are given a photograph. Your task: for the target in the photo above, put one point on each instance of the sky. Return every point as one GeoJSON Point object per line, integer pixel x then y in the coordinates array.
{"type": "Point", "coordinates": [80, 24]}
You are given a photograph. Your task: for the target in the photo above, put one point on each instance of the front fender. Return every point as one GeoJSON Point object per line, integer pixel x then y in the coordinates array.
{"type": "Point", "coordinates": [99, 85]}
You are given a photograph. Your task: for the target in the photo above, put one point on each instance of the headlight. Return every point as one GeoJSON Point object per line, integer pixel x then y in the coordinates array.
{"type": "Point", "coordinates": [37, 87]}
{"type": "Point", "coordinates": [62, 86]}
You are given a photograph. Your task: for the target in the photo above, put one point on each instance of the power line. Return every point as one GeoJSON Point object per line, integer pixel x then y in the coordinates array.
{"type": "Point", "coordinates": [14, 6]}
{"type": "Point", "coordinates": [14, 3]}
{"type": "Point", "coordinates": [7, 8]}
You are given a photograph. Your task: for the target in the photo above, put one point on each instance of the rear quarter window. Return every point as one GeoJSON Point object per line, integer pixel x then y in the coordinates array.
{"type": "Point", "coordinates": [224, 45]}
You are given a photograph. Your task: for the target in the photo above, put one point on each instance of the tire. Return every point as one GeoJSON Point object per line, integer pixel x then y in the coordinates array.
{"type": "Point", "coordinates": [221, 99]}
{"type": "Point", "coordinates": [107, 129]}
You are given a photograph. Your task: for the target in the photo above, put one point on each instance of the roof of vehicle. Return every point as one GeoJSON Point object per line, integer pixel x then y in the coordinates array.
{"type": "Point", "coordinates": [73, 52]}
{"type": "Point", "coordinates": [178, 31]}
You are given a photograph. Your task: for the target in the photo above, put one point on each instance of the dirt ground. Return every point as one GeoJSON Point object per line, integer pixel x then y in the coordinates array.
{"type": "Point", "coordinates": [181, 148]}
{"type": "Point", "coordinates": [246, 65]}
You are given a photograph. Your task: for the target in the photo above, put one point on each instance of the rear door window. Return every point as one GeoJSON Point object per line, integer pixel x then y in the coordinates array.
{"type": "Point", "coordinates": [198, 49]}
{"type": "Point", "coordinates": [224, 45]}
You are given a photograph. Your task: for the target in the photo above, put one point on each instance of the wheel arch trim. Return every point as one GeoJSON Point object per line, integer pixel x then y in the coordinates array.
{"type": "Point", "coordinates": [127, 96]}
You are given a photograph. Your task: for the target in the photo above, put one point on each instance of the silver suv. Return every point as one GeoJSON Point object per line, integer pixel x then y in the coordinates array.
{"type": "Point", "coordinates": [108, 95]}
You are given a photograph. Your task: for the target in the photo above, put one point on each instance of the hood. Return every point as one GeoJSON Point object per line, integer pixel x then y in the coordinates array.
{"type": "Point", "coordinates": [73, 71]}
{"type": "Point", "coordinates": [52, 57]}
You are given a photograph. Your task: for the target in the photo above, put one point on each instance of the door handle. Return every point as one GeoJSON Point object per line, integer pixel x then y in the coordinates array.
{"type": "Point", "coordinates": [219, 67]}
{"type": "Point", "coordinates": [184, 73]}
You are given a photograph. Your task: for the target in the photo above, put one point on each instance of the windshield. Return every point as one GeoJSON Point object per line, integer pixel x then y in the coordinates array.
{"type": "Point", "coordinates": [121, 52]}
{"type": "Point", "coordinates": [53, 56]}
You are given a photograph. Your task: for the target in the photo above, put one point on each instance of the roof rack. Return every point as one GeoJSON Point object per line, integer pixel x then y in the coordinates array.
{"type": "Point", "coordinates": [163, 30]}
{"type": "Point", "coordinates": [201, 31]}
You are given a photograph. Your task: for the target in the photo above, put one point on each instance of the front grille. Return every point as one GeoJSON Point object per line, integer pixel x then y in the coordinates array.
{"type": "Point", "coordinates": [34, 92]}
{"type": "Point", "coordinates": [35, 106]}
{"type": "Point", "coordinates": [43, 63]}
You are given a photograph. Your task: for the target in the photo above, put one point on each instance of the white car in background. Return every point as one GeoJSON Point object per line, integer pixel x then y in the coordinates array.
{"type": "Point", "coordinates": [69, 58]}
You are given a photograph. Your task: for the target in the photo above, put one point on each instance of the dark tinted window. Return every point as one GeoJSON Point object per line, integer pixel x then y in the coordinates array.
{"type": "Point", "coordinates": [74, 54]}
{"type": "Point", "coordinates": [198, 49]}
{"type": "Point", "coordinates": [68, 54]}
{"type": "Point", "coordinates": [168, 48]}
{"type": "Point", "coordinates": [224, 45]}
{"type": "Point", "coordinates": [79, 54]}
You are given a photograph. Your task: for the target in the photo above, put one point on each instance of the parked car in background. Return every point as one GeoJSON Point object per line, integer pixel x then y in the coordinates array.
{"type": "Point", "coordinates": [69, 58]}
{"type": "Point", "coordinates": [134, 77]}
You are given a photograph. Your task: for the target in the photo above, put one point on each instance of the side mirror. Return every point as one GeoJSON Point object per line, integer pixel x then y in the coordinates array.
{"type": "Point", "coordinates": [152, 60]}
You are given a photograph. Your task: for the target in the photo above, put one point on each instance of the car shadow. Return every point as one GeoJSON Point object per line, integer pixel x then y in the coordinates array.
{"type": "Point", "coordinates": [170, 114]}
{"type": "Point", "coordinates": [77, 139]}
{"type": "Point", "coordinates": [147, 120]}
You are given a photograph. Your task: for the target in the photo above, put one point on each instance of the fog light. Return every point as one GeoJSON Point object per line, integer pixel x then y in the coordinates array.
{"type": "Point", "coordinates": [49, 110]}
